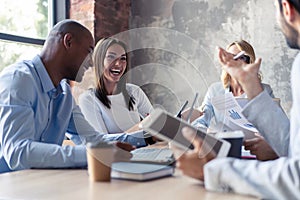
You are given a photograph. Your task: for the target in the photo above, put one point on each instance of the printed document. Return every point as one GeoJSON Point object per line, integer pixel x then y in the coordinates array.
{"type": "Point", "coordinates": [234, 118]}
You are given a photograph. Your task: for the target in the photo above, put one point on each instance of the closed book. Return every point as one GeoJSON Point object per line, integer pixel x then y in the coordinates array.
{"type": "Point", "coordinates": [140, 171]}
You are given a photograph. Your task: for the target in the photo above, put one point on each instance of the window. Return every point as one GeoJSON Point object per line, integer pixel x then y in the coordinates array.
{"type": "Point", "coordinates": [24, 25]}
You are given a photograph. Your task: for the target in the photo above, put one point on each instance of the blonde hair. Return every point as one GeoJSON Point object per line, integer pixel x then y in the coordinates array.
{"type": "Point", "coordinates": [242, 45]}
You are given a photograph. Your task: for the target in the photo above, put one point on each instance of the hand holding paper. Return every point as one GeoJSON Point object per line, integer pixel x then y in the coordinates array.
{"type": "Point", "coordinates": [234, 117]}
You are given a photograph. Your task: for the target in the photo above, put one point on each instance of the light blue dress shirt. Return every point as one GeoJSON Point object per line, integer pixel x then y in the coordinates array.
{"type": "Point", "coordinates": [34, 117]}
{"type": "Point", "coordinates": [212, 117]}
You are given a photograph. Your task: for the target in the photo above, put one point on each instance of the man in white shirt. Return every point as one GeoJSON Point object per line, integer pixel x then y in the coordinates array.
{"type": "Point", "coordinates": [278, 179]}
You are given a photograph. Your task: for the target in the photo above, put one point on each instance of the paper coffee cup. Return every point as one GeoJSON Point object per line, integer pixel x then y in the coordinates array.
{"type": "Point", "coordinates": [235, 138]}
{"type": "Point", "coordinates": [100, 157]}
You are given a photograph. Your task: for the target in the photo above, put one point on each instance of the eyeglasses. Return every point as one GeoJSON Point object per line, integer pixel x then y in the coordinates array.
{"type": "Point", "coordinates": [245, 58]}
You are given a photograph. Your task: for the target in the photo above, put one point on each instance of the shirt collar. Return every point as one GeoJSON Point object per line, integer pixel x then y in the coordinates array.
{"type": "Point", "coordinates": [227, 89]}
{"type": "Point", "coordinates": [44, 77]}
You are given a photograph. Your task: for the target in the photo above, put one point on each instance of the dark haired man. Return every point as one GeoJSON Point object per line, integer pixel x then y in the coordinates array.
{"type": "Point", "coordinates": [37, 107]}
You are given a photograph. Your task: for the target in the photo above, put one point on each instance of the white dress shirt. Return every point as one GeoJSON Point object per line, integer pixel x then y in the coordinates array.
{"type": "Point", "coordinates": [278, 179]}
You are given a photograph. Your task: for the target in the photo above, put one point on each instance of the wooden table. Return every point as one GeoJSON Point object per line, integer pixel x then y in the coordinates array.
{"type": "Point", "coordinates": [75, 184]}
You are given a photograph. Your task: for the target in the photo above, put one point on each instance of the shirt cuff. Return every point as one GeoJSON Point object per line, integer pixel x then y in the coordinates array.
{"type": "Point", "coordinates": [137, 139]}
{"type": "Point", "coordinates": [80, 158]}
{"type": "Point", "coordinates": [258, 103]}
{"type": "Point", "coordinates": [227, 175]}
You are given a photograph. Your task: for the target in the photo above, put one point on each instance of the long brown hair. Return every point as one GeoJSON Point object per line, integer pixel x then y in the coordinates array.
{"type": "Point", "coordinates": [98, 59]}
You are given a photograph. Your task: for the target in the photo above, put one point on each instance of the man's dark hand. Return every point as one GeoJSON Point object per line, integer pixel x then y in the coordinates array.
{"type": "Point", "coordinates": [125, 146]}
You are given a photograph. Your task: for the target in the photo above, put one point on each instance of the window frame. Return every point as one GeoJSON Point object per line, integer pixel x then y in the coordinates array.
{"type": "Point", "coordinates": [57, 11]}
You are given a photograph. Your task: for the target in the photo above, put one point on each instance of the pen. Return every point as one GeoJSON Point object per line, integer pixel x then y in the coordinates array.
{"type": "Point", "coordinates": [181, 109]}
{"type": "Point", "coordinates": [239, 55]}
{"type": "Point", "coordinates": [192, 108]}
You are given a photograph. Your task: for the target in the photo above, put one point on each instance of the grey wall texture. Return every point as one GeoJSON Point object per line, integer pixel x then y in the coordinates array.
{"type": "Point", "coordinates": [174, 46]}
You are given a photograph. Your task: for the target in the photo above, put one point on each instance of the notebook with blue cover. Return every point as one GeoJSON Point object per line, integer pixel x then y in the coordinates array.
{"type": "Point", "coordinates": [140, 171]}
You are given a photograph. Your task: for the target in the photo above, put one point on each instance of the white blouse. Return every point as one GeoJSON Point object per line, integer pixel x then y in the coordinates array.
{"type": "Point", "coordinates": [118, 118]}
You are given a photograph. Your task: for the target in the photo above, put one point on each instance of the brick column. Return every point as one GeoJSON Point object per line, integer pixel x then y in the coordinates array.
{"type": "Point", "coordinates": [103, 18]}
{"type": "Point", "coordinates": [83, 11]}
{"type": "Point", "coordinates": [111, 17]}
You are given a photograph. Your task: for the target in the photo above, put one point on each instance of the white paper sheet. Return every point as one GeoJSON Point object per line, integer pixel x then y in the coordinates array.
{"type": "Point", "coordinates": [235, 120]}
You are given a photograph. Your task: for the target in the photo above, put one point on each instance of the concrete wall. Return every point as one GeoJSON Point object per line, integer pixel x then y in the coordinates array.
{"type": "Point", "coordinates": [173, 43]}
{"type": "Point", "coordinates": [174, 46]}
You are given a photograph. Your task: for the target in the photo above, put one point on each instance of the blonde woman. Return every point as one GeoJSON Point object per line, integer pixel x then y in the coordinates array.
{"type": "Point", "coordinates": [214, 119]}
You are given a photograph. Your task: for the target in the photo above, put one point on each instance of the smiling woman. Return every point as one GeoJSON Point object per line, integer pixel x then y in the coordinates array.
{"type": "Point", "coordinates": [114, 66]}
{"type": "Point", "coordinates": [113, 106]}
